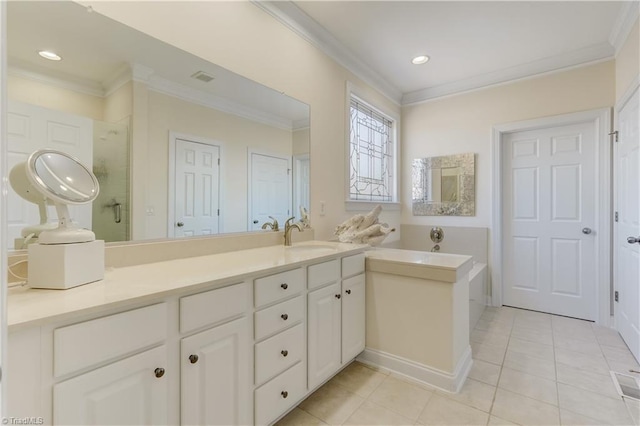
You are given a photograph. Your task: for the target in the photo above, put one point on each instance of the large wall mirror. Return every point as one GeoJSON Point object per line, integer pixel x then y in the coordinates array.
{"type": "Point", "coordinates": [181, 147]}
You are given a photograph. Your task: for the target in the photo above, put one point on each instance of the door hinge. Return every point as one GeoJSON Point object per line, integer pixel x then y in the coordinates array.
{"type": "Point", "coordinates": [615, 216]}
{"type": "Point", "coordinates": [218, 212]}
{"type": "Point", "coordinates": [615, 135]}
{"type": "Point", "coordinates": [288, 172]}
{"type": "Point", "coordinates": [615, 296]}
{"type": "Point", "coordinates": [218, 161]}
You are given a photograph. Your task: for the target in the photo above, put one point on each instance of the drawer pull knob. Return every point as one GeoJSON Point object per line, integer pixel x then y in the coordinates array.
{"type": "Point", "coordinates": [348, 291]}
{"type": "Point", "coordinates": [159, 372]}
{"type": "Point", "coordinates": [284, 286]}
{"type": "Point", "coordinates": [284, 394]}
{"type": "Point", "coordinates": [284, 317]}
{"type": "Point", "coordinates": [193, 358]}
{"type": "Point", "coordinates": [338, 296]}
{"type": "Point", "coordinates": [284, 352]}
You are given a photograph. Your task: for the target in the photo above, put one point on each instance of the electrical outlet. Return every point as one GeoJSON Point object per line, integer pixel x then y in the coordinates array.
{"type": "Point", "coordinates": [322, 208]}
{"type": "Point", "coordinates": [151, 211]}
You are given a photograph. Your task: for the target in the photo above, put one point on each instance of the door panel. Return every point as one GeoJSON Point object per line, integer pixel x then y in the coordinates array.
{"type": "Point", "coordinates": [324, 333]}
{"type": "Point", "coordinates": [270, 190]}
{"type": "Point", "coordinates": [197, 189]}
{"type": "Point", "coordinates": [627, 256]}
{"type": "Point", "coordinates": [549, 197]}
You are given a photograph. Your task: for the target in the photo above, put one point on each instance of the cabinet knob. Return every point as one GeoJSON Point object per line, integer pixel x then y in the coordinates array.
{"type": "Point", "coordinates": [284, 352]}
{"type": "Point", "coordinates": [348, 291]}
{"type": "Point", "coordinates": [338, 296]}
{"type": "Point", "coordinates": [284, 286]}
{"type": "Point", "coordinates": [284, 317]}
{"type": "Point", "coordinates": [284, 394]}
{"type": "Point", "coordinates": [159, 372]}
{"type": "Point", "coordinates": [193, 358]}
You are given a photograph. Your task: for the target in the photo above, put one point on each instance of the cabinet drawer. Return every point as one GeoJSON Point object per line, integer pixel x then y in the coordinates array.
{"type": "Point", "coordinates": [279, 286]}
{"type": "Point", "coordinates": [277, 396]}
{"type": "Point", "coordinates": [353, 265]}
{"type": "Point", "coordinates": [213, 306]}
{"type": "Point", "coordinates": [324, 273]}
{"type": "Point", "coordinates": [279, 353]}
{"type": "Point", "coordinates": [278, 317]}
{"type": "Point", "coordinates": [82, 345]}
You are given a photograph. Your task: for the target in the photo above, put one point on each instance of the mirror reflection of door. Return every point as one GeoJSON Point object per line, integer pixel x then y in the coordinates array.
{"type": "Point", "coordinates": [300, 184]}
{"type": "Point", "coordinates": [449, 184]}
{"type": "Point", "coordinates": [197, 189]}
{"type": "Point", "coordinates": [270, 193]}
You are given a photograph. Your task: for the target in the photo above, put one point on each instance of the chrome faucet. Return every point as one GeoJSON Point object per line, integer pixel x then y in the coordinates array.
{"type": "Point", "coordinates": [271, 225]}
{"type": "Point", "coordinates": [288, 226]}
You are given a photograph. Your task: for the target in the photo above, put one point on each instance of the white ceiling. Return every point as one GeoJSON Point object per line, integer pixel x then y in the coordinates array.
{"type": "Point", "coordinates": [471, 43]}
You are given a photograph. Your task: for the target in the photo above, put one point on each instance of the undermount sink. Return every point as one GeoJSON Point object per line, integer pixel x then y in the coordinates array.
{"type": "Point", "coordinates": [312, 248]}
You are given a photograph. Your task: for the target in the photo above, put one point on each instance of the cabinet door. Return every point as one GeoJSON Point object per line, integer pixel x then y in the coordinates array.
{"type": "Point", "coordinates": [324, 333]}
{"type": "Point", "coordinates": [353, 317]}
{"type": "Point", "coordinates": [129, 392]}
{"type": "Point", "coordinates": [216, 376]}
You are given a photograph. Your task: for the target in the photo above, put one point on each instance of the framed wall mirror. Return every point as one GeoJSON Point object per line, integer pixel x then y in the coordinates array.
{"type": "Point", "coordinates": [180, 146]}
{"type": "Point", "coordinates": [444, 186]}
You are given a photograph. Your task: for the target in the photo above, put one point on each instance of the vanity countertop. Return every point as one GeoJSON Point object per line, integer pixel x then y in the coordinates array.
{"type": "Point", "coordinates": [419, 264]}
{"type": "Point", "coordinates": [28, 307]}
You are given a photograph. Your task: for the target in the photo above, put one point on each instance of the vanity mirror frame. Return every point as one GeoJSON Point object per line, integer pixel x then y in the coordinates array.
{"type": "Point", "coordinates": [423, 186]}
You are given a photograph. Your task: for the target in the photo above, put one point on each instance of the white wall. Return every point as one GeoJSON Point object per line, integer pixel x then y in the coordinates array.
{"type": "Point", "coordinates": [462, 123]}
{"type": "Point", "coordinates": [244, 39]}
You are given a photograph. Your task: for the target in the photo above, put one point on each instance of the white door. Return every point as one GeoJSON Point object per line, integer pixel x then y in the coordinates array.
{"type": "Point", "coordinates": [324, 333]}
{"type": "Point", "coordinates": [353, 317]}
{"type": "Point", "coordinates": [270, 193]}
{"type": "Point", "coordinates": [216, 384]}
{"type": "Point", "coordinates": [128, 392]}
{"type": "Point", "coordinates": [549, 218]}
{"type": "Point", "coordinates": [302, 177]}
{"type": "Point", "coordinates": [30, 128]}
{"type": "Point", "coordinates": [626, 254]}
{"type": "Point", "coordinates": [197, 189]}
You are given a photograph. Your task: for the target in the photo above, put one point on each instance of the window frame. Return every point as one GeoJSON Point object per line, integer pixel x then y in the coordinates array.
{"type": "Point", "coordinates": [354, 91]}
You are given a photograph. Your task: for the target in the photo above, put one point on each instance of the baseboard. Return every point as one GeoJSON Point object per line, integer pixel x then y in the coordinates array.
{"type": "Point", "coordinates": [420, 372]}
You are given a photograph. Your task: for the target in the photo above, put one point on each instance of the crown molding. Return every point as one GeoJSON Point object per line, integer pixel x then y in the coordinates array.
{"type": "Point", "coordinates": [302, 24]}
{"type": "Point", "coordinates": [167, 87]}
{"type": "Point", "coordinates": [587, 56]}
{"type": "Point", "coordinates": [629, 12]}
{"type": "Point", "coordinates": [68, 83]}
{"type": "Point", "coordinates": [117, 80]}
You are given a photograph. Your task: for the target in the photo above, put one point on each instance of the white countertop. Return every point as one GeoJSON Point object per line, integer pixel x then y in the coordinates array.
{"type": "Point", "coordinates": [28, 307]}
{"type": "Point", "coordinates": [419, 264]}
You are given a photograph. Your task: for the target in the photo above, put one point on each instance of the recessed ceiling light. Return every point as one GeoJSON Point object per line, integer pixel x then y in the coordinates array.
{"type": "Point", "coordinates": [419, 60]}
{"type": "Point", "coordinates": [47, 54]}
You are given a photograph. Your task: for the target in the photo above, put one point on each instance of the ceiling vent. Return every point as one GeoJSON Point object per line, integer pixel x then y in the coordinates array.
{"type": "Point", "coordinates": [203, 76]}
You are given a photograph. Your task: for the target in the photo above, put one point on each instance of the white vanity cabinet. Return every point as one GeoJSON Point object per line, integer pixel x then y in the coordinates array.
{"type": "Point", "coordinates": [132, 390]}
{"type": "Point", "coordinates": [242, 349]}
{"type": "Point", "coordinates": [127, 392]}
{"type": "Point", "coordinates": [336, 316]}
{"type": "Point", "coordinates": [215, 376]}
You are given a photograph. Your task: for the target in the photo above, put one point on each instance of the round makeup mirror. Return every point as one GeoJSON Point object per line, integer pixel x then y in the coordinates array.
{"type": "Point", "coordinates": [64, 180]}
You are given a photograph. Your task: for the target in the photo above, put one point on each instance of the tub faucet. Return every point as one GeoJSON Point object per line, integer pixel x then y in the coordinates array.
{"type": "Point", "coordinates": [271, 225]}
{"type": "Point", "coordinates": [436, 248]}
{"type": "Point", "coordinates": [288, 227]}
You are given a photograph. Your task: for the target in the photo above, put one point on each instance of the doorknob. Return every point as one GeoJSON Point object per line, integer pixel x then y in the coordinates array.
{"type": "Point", "coordinates": [180, 224]}
{"type": "Point", "coordinates": [633, 240]}
{"type": "Point", "coordinates": [586, 231]}
{"type": "Point", "coordinates": [255, 221]}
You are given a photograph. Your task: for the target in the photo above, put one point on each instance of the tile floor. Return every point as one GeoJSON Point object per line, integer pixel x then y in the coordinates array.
{"type": "Point", "coordinates": [529, 368]}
